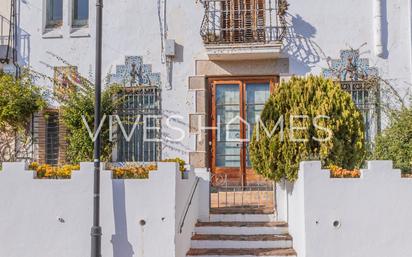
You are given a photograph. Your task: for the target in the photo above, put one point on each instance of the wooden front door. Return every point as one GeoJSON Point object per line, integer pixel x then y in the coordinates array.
{"type": "Point", "coordinates": [236, 106]}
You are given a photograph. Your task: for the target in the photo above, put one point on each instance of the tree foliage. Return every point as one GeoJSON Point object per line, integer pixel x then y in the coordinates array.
{"type": "Point", "coordinates": [276, 158]}
{"type": "Point", "coordinates": [19, 99]}
{"type": "Point", "coordinates": [78, 103]}
{"type": "Point", "coordinates": [395, 142]}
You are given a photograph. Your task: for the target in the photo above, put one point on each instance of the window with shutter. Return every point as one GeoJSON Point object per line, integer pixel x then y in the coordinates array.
{"type": "Point", "coordinates": [243, 21]}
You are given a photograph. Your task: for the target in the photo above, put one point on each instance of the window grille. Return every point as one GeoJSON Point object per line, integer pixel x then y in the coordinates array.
{"type": "Point", "coordinates": [366, 98]}
{"type": "Point", "coordinates": [52, 138]}
{"type": "Point", "coordinates": [141, 104]}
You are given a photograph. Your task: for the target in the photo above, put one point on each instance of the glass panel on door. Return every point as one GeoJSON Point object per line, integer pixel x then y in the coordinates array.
{"type": "Point", "coordinates": [256, 96]}
{"type": "Point", "coordinates": [227, 113]}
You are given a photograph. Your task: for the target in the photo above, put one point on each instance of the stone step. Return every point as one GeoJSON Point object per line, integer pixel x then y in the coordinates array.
{"type": "Point", "coordinates": [242, 217]}
{"type": "Point", "coordinates": [242, 210]}
{"type": "Point", "coordinates": [250, 252]}
{"type": "Point", "coordinates": [241, 228]}
{"type": "Point", "coordinates": [241, 241]}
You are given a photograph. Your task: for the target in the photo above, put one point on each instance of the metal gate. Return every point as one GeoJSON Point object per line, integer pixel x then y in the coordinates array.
{"type": "Point", "coordinates": [261, 195]}
{"type": "Point", "coordinates": [141, 105]}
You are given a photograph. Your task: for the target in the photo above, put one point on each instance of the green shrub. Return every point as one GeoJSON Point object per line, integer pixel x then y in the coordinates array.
{"type": "Point", "coordinates": [276, 159]}
{"type": "Point", "coordinates": [81, 102]}
{"type": "Point", "coordinates": [395, 142]}
{"type": "Point", "coordinates": [19, 99]}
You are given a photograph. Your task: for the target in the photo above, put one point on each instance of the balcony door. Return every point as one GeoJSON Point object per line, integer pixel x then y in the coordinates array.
{"type": "Point", "coordinates": [243, 21]}
{"type": "Point", "coordinates": [236, 106]}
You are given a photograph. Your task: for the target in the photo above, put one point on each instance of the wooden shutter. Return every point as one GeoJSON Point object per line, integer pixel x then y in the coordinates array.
{"type": "Point", "coordinates": [226, 21]}
{"type": "Point", "coordinates": [260, 20]}
{"type": "Point", "coordinates": [243, 21]}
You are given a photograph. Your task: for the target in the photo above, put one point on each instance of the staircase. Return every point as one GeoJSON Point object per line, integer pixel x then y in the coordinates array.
{"type": "Point", "coordinates": [241, 232]}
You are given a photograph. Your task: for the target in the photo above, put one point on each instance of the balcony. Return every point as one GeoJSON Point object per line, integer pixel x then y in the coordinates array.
{"type": "Point", "coordinates": [14, 45]}
{"type": "Point", "coordinates": [6, 41]}
{"type": "Point", "coordinates": [243, 29]}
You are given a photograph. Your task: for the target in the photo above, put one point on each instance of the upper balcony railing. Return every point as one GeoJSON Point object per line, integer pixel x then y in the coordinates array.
{"type": "Point", "coordinates": [4, 30]}
{"type": "Point", "coordinates": [14, 43]}
{"type": "Point", "coordinates": [243, 21]}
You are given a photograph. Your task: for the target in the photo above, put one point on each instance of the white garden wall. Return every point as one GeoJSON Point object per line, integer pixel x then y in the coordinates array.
{"type": "Point", "coordinates": [197, 210]}
{"type": "Point", "coordinates": [371, 213]}
{"type": "Point", "coordinates": [53, 217]}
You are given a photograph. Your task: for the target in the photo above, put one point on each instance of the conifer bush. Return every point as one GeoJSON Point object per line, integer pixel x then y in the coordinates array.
{"type": "Point", "coordinates": [306, 103]}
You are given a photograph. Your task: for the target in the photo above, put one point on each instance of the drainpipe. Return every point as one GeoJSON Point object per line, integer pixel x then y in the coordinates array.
{"type": "Point", "coordinates": [410, 35]}
{"type": "Point", "coordinates": [377, 25]}
{"type": "Point", "coordinates": [15, 37]}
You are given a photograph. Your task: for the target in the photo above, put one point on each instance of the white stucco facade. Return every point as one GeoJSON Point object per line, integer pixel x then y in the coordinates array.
{"type": "Point", "coordinates": [317, 31]}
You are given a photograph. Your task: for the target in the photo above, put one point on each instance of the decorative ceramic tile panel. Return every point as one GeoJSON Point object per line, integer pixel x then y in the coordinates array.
{"type": "Point", "coordinates": [65, 80]}
{"type": "Point", "coordinates": [134, 73]}
{"type": "Point", "coordinates": [350, 67]}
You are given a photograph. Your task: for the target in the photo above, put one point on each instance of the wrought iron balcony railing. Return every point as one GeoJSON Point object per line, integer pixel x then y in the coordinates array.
{"type": "Point", "coordinates": [243, 21]}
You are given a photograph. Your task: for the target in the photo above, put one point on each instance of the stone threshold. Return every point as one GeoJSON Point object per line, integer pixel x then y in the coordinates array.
{"type": "Point", "coordinates": [241, 210]}
{"type": "Point", "coordinates": [241, 237]}
{"type": "Point", "coordinates": [243, 252]}
{"type": "Point", "coordinates": [242, 224]}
